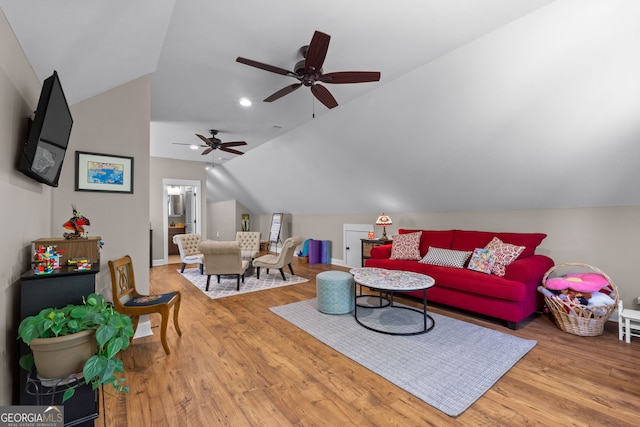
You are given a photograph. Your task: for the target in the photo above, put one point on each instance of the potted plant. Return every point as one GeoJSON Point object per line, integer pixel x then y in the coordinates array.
{"type": "Point", "coordinates": [107, 330]}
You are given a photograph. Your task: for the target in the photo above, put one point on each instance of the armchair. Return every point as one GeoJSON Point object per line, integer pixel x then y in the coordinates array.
{"type": "Point", "coordinates": [188, 246]}
{"type": "Point", "coordinates": [285, 257]}
{"type": "Point", "coordinates": [223, 258]}
{"type": "Point", "coordinates": [249, 242]}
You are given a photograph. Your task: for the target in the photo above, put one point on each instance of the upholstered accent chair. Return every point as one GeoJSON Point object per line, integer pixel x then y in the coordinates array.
{"type": "Point", "coordinates": [249, 242]}
{"type": "Point", "coordinates": [189, 248]}
{"type": "Point", "coordinates": [127, 300]}
{"type": "Point", "coordinates": [223, 258]}
{"type": "Point", "coordinates": [285, 257]}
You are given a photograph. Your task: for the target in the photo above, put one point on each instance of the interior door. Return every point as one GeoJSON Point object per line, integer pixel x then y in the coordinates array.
{"type": "Point", "coordinates": [353, 248]}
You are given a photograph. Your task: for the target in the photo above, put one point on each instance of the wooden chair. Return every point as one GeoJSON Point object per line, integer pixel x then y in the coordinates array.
{"type": "Point", "coordinates": [285, 257]}
{"type": "Point", "coordinates": [127, 300]}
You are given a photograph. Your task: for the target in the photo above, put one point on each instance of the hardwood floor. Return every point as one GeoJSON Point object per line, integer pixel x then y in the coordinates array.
{"type": "Point", "coordinates": [238, 364]}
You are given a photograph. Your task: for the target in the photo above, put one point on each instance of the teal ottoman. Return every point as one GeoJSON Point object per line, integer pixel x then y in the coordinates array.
{"type": "Point", "coordinates": [335, 292]}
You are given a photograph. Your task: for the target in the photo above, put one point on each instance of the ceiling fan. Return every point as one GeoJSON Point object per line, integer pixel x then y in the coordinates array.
{"type": "Point", "coordinates": [309, 72]}
{"type": "Point", "coordinates": [214, 143]}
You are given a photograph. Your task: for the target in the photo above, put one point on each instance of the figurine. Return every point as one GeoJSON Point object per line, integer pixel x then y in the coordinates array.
{"type": "Point", "coordinates": [77, 224]}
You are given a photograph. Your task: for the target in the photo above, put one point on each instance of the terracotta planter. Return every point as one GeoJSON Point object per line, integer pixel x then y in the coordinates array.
{"type": "Point", "coordinates": [59, 357]}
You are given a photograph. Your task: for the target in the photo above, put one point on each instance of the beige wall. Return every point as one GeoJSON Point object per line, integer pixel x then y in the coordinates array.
{"type": "Point", "coordinates": [26, 203]}
{"type": "Point", "coordinates": [223, 220]}
{"type": "Point", "coordinates": [606, 238]}
{"type": "Point", "coordinates": [115, 122]}
{"type": "Point", "coordinates": [162, 168]}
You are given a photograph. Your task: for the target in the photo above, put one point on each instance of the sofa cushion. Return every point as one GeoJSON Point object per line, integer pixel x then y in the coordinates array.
{"type": "Point", "coordinates": [406, 246]}
{"type": "Point", "coordinates": [482, 260]}
{"type": "Point", "coordinates": [468, 240]}
{"type": "Point", "coordinates": [445, 257]}
{"type": "Point", "coordinates": [435, 238]}
{"type": "Point", "coordinates": [505, 254]}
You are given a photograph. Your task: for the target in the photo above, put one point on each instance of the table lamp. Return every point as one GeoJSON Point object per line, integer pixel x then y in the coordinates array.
{"type": "Point", "coordinates": [382, 221]}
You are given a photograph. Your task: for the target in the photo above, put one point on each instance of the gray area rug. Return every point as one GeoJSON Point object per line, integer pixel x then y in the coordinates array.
{"type": "Point", "coordinates": [228, 285]}
{"type": "Point", "coordinates": [449, 367]}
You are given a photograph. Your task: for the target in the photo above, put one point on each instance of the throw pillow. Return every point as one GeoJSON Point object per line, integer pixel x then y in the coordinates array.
{"type": "Point", "coordinates": [505, 254]}
{"type": "Point", "coordinates": [406, 246]}
{"type": "Point", "coordinates": [445, 257]}
{"type": "Point", "coordinates": [482, 260]}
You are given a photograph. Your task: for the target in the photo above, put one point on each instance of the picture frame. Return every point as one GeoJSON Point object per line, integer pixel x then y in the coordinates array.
{"type": "Point", "coordinates": [104, 173]}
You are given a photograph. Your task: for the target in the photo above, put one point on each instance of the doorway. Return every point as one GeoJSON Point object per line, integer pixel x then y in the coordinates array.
{"type": "Point", "coordinates": [182, 209]}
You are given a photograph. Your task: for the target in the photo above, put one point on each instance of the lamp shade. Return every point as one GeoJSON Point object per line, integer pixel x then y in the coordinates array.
{"type": "Point", "coordinates": [383, 220]}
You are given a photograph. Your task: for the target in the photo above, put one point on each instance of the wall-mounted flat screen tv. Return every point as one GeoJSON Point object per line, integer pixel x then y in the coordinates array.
{"type": "Point", "coordinates": [49, 133]}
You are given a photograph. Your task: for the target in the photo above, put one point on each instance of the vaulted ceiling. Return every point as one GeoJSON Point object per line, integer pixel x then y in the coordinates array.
{"type": "Point", "coordinates": [490, 104]}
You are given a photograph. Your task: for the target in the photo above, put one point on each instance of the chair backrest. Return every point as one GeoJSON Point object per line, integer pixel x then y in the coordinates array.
{"type": "Point", "coordinates": [221, 257]}
{"type": "Point", "coordinates": [188, 244]}
{"type": "Point", "coordinates": [249, 242]}
{"type": "Point", "coordinates": [288, 249]}
{"type": "Point", "coordinates": [123, 282]}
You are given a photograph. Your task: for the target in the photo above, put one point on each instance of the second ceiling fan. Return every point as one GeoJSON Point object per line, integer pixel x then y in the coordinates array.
{"type": "Point", "coordinates": [309, 72]}
{"type": "Point", "coordinates": [214, 143]}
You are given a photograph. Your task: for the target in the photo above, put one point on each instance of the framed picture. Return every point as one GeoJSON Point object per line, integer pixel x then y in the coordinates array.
{"type": "Point", "coordinates": [104, 172]}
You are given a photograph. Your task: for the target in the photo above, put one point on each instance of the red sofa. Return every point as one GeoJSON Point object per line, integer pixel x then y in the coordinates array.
{"type": "Point", "coordinates": [512, 298]}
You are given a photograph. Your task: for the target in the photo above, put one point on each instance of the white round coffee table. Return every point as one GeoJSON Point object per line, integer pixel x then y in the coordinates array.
{"type": "Point", "coordinates": [388, 282]}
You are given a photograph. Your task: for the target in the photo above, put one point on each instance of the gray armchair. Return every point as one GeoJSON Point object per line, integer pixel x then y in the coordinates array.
{"type": "Point", "coordinates": [285, 257]}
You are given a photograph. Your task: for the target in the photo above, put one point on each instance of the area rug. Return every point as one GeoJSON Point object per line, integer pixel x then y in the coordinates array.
{"type": "Point", "coordinates": [228, 285]}
{"type": "Point", "coordinates": [449, 367]}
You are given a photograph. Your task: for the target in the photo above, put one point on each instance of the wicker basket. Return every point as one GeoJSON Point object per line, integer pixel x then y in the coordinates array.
{"type": "Point", "coordinates": [580, 319]}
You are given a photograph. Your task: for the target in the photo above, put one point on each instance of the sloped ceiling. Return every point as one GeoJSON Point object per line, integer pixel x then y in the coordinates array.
{"type": "Point", "coordinates": [542, 113]}
{"type": "Point", "coordinates": [490, 104]}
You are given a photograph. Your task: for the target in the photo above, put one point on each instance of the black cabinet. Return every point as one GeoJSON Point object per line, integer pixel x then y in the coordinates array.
{"type": "Point", "coordinates": [62, 287]}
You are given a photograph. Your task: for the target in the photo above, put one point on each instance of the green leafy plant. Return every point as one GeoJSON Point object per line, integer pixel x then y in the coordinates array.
{"type": "Point", "coordinates": [113, 334]}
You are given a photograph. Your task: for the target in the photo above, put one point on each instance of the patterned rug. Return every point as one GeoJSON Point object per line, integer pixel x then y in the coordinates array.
{"type": "Point", "coordinates": [228, 285]}
{"type": "Point", "coordinates": [449, 367]}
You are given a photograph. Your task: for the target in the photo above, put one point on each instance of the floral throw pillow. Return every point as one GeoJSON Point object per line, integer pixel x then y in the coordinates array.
{"type": "Point", "coordinates": [406, 246]}
{"type": "Point", "coordinates": [482, 260]}
{"type": "Point", "coordinates": [505, 254]}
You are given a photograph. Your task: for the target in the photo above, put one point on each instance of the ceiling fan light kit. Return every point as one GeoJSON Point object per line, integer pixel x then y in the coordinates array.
{"type": "Point", "coordinates": [309, 72]}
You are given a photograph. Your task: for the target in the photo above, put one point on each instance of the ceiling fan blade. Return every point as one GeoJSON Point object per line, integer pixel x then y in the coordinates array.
{"type": "Point", "coordinates": [317, 51]}
{"type": "Point", "coordinates": [282, 92]}
{"type": "Point", "coordinates": [231, 150]}
{"type": "Point", "coordinates": [206, 140]}
{"type": "Point", "coordinates": [207, 151]}
{"type": "Point", "coordinates": [233, 144]}
{"type": "Point", "coordinates": [265, 67]}
{"type": "Point", "coordinates": [351, 77]}
{"type": "Point", "coordinates": [324, 96]}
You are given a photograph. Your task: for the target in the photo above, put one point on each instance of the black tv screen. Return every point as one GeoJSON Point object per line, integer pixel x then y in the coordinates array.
{"type": "Point", "coordinates": [49, 133]}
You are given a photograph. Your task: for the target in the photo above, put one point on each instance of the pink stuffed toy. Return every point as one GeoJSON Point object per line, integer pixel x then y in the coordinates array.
{"type": "Point", "coordinates": [582, 282]}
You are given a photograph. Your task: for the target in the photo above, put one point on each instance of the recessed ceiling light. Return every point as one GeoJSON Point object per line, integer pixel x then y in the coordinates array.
{"type": "Point", "coordinates": [193, 146]}
{"type": "Point", "coordinates": [245, 102]}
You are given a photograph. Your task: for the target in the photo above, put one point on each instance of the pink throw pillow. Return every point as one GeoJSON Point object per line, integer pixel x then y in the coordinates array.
{"type": "Point", "coordinates": [406, 246]}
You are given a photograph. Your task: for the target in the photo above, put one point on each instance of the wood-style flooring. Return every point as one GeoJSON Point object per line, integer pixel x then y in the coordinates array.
{"type": "Point", "coordinates": [238, 364]}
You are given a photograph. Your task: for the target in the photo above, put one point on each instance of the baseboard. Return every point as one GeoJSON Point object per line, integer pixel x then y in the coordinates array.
{"type": "Point", "coordinates": [144, 328]}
